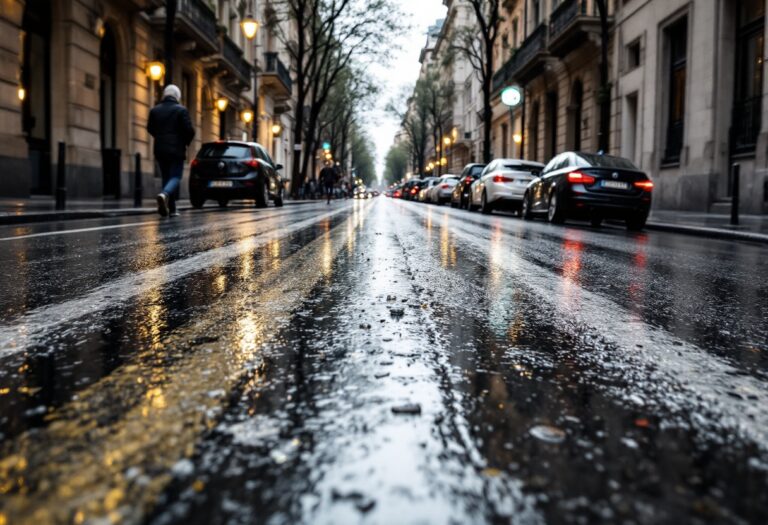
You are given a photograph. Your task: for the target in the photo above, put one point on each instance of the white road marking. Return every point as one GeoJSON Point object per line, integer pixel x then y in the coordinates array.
{"type": "Point", "coordinates": [20, 333]}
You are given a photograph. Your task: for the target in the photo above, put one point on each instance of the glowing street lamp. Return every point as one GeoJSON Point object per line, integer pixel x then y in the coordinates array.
{"type": "Point", "coordinates": [447, 141]}
{"type": "Point", "coordinates": [155, 71]}
{"type": "Point", "coordinates": [250, 27]}
{"type": "Point", "coordinates": [277, 129]}
{"type": "Point", "coordinates": [22, 93]}
{"type": "Point", "coordinates": [247, 116]}
{"type": "Point", "coordinates": [517, 138]}
{"type": "Point", "coordinates": [222, 103]}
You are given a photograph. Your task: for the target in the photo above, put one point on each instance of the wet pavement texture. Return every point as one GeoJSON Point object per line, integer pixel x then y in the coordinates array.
{"type": "Point", "coordinates": [379, 362]}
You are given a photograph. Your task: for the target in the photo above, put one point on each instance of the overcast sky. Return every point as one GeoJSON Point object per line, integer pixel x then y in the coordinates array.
{"type": "Point", "coordinates": [402, 70]}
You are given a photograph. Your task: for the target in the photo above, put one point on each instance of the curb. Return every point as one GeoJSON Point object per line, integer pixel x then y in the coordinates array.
{"type": "Point", "coordinates": [55, 216]}
{"type": "Point", "coordinates": [716, 233]}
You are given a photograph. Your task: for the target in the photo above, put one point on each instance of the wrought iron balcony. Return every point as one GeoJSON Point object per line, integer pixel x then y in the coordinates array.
{"type": "Point", "coordinates": [275, 76]}
{"type": "Point", "coordinates": [526, 62]}
{"type": "Point", "coordinates": [570, 25]}
{"type": "Point", "coordinates": [232, 61]}
{"type": "Point", "coordinates": [195, 22]}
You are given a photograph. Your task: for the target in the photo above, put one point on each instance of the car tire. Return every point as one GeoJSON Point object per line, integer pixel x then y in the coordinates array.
{"type": "Point", "coordinates": [197, 201]}
{"type": "Point", "coordinates": [279, 200]}
{"type": "Point", "coordinates": [596, 221]}
{"type": "Point", "coordinates": [525, 211]}
{"type": "Point", "coordinates": [486, 207]}
{"type": "Point", "coordinates": [636, 222]}
{"type": "Point", "coordinates": [262, 193]}
{"type": "Point", "coordinates": [555, 211]}
{"type": "Point", "coordinates": [223, 203]}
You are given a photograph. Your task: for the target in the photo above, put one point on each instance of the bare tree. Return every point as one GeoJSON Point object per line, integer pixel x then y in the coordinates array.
{"type": "Point", "coordinates": [477, 45]}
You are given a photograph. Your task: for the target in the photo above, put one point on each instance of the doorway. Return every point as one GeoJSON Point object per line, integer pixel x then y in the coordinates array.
{"type": "Point", "coordinates": [110, 155]}
{"type": "Point", "coordinates": [36, 79]}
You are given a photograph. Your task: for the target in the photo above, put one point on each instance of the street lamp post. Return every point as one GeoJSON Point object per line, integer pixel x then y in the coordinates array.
{"type": "Point", "coordinates": [250, 27]}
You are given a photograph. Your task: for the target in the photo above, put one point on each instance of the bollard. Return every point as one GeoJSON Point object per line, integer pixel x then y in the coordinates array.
{"type": "Point", "coordinates": [61, 178]}
{"type": "Point", "coordinates": [736, 173]}
{"type": "Point", "coordinates": [138, 190]}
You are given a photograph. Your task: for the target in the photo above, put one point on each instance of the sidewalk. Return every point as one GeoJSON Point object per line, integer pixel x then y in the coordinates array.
{"type": "Point", "coordinates": [751, 227]}
{"type": "Point", "coordinates": [41, 209]}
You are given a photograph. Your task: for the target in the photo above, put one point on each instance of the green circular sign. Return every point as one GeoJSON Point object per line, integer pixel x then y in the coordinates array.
{"type": "Point", "coordinates": [511, 96]}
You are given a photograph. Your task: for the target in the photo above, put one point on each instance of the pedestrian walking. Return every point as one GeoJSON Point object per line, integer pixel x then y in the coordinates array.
{"type": "Point", "coordinates": [171, 127]}
{"type": "Point", "coordinates": [328, 180]}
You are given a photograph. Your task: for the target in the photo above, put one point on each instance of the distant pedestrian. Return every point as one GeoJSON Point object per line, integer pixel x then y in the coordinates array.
{"type": "Point", "coordinates": [328, 180]}
{"type": "Point", "coordinates": [171, 127]}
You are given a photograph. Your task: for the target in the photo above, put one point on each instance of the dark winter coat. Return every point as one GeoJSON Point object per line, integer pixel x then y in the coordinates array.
{"type": "Point", "coordinates": [328, 176]}
{"type": "Point", "coordinates": [170, 125]}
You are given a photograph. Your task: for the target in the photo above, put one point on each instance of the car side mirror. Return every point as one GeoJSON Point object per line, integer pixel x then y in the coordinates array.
{"type": "Point", "coordinates": [278, 167]}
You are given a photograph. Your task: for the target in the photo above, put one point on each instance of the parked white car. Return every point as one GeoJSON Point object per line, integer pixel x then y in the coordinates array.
{"type": "Point", "coordinates": [502, 185]}
{"type": "Point", "coordinates": [440, 193]}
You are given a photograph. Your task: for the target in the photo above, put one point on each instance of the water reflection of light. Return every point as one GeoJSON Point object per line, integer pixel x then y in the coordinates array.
{"type": "Point", "coordinates": [275, 253]}
{"type": "Point", "coordinates": [572, 251]}
{"type": "Point", "coordinates": [447, 247]}
{"type": "Point", "coordinates": [637, 282]}
{"type": "Point", "coordinates": [249, 337]}
{"type": "Point", "coordinates": [326, 260]}
{"type": "Point", "coordinates": [246, 260]}
{"type": "Point", "coordinates": [496, 256]}
{"type": "Point", "coordinates": [155, 314]}
{"type": "Point", "coordinates": [220, 283]}
{"type": "Point", "coordinates": [429, 227]}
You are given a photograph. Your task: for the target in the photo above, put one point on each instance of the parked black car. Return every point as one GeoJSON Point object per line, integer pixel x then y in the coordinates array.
{"type": "Point", "coordinates": [576, 185]}
{"type": "Point", "coordinates": [461, 192]}
{"type": "Point", "coordinates": [412, 188]}
{"type": "Point", "coordinates": [228, 170]}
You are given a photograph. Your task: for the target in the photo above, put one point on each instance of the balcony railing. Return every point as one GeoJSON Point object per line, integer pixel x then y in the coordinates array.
{"type": "Point", "coordinates": [233, 57]}
{"type": "Point", "coordinates": [274, 66]}
{"type": "Point", "coordinates": [565, 14]}
{"type": "Point", "coordinates": [199, 16]}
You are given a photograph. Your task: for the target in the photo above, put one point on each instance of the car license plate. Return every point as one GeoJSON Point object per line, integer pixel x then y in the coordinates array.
{"type": "Point", "coordinates": [615, 185]}
{"type": "Point", "coordinates": [220, 184]}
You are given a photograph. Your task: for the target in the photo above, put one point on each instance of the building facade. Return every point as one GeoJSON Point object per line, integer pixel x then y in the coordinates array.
{"type": "Point", "coordinates": [77, 73]}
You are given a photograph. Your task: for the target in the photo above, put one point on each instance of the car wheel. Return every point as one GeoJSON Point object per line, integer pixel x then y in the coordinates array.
{"type": "Point", "coordinates": [197, 201]}
{"type": "Point", "coordinates": [636, 222]}
{"type": "Point", "coordinates": [223, 203]}
{"type": "Point", "coordinates": [262, 193]}
{"type": "Point", "coordinates": [279, 200]}
{"type": "Point", "coordinates": [596, 221]}
{"type": "Point", "coordinates": [486, 207]}
{"type": "Point", "coordinates": [525, 210]}
{"type": "Point", "coordinates": [555, 212]}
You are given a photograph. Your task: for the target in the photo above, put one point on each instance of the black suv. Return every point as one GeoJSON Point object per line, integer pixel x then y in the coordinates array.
{"type": "Point", "coordinates": [228, 170]}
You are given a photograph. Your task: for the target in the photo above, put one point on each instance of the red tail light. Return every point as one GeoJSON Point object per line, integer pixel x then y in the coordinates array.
{"type": "Point", "coordinates": [252, 163]}
{"type": "Point", "coordinates": [645, 185]}
{"type": "Point", "coordinates": [445, 186]}
{"type": "Point", "coordinates": [468, 180]}
{"type": "Point", "coordinates": [502, 178]}
{"type": "Point", "coordinates": [577, 177]}
{"type": "Point", "coordinates": [414, 190]}
{"type": "Point", "coordinates": [397, 194]}
{"type": "Point", "coordinates": [194, 163]}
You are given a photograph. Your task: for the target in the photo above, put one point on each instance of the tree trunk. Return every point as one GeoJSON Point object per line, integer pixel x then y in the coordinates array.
{"type": "Point", "coordinates": [487, 109]}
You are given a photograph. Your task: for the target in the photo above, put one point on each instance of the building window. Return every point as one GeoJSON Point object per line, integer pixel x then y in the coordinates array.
{"type": "Point", "coordinates": [515, 33]}
{"type": "Point", "coordinates": [677, 60]}
{"type": "Point", "coordinates": [536, 10]}
{"type": "Point", "coordinates": [633, 55]}
{"type": "Point", "coordinates": [747, 101]}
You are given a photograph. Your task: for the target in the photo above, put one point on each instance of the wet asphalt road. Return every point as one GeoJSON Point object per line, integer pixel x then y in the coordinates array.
{"type": "Point", "coordinates": [379, 362]}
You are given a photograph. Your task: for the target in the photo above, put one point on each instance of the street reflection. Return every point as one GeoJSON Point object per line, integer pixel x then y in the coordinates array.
{"type": "Point", "coordinates": [447, 244]}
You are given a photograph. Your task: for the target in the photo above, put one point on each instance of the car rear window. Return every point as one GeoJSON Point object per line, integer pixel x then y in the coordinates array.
{"type": "Point", "coordinates": [522, 167]}
{"type": "Point", "coordinates": [225, 151]}
{"type": "Point", "coordinates": [607, 161]}
{"type": "Point", "coordinates": [476, 170]}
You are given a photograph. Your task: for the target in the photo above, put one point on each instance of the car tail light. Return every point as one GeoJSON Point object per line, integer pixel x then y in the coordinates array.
{"type": "Point", "coordinates": [194, 163]}
{"type": "Point", "coordinates": [445, 186]}
{"type": "Point", "coordinates": [252, 163]}
{"type": "Point", "coordinates": [468, 180]}
{"type": "Point", "coordinates": [502, 178]}
{"type": "Point", "coordinates": [397, 194]}
{"type": "Point", "coordinates": [578, 177]}
{"type": "Point", "coordinates": [414, 190]}
{"type": "Point", "coordinates": [645, 185]}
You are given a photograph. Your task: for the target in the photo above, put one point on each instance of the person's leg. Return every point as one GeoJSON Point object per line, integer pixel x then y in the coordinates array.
{"type": "Point", "coordinates": [162, 197]}
{"type": "Point", "coordinates": [172, 185]}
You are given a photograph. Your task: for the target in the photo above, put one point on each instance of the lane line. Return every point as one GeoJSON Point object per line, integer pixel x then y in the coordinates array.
{"type": "Point", "coordinates": [20, 333]}
{"type": "Point", "coordinates": [684, 375]}
{"type": "Point", "coordinates": [101, 228]}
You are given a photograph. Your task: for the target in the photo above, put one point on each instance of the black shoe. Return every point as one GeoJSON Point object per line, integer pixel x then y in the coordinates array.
{"type": "Point", "coordinates": [162, 204]}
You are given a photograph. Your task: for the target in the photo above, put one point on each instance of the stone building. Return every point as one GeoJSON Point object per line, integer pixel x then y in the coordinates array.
{"type": "Point", "coordinates": [551, 50]}
{"type": "Point", "coordinates": [689, 99]}
{"type": "Point", "coordinates": [77, 73]}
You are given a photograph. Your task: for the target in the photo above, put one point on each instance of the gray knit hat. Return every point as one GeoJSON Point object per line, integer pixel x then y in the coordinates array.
{"type": "Point", "coordinates": [172, 91]}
